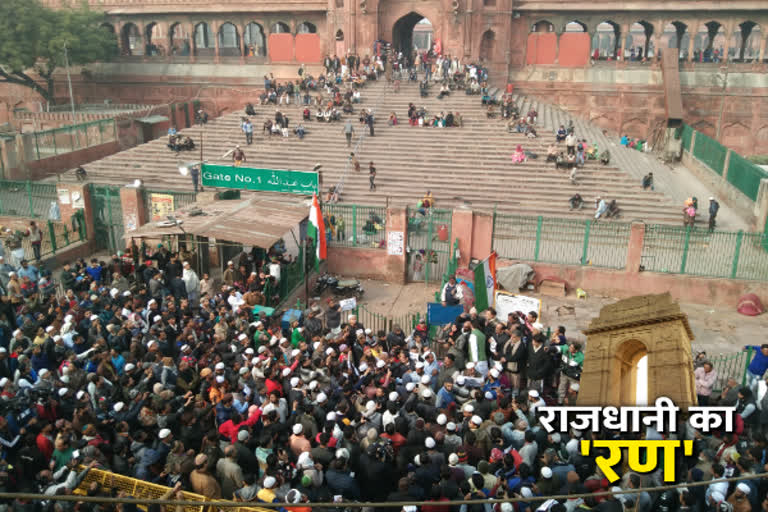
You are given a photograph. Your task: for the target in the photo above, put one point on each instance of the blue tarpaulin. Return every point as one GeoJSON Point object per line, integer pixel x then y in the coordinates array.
{"type": "Point", "coordinates": [437, 314]}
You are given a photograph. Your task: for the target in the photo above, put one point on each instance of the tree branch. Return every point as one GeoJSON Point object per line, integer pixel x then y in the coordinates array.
{"type": "Point", "coordinates": [22, 78]}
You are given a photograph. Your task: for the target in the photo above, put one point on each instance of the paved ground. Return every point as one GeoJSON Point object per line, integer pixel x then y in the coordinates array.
{"type": "Point", "coordinates": [717, 331]}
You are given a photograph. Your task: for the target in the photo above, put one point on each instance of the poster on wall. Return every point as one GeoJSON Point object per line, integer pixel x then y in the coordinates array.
{"type": "Point", "coordinates": [161, 205]}
{"type": "Point", "coordinates": [63, 194]}
{"type": "Point", "coordinates": [395, 243]}
{"type": "Point", "coordinates": [509, 303]}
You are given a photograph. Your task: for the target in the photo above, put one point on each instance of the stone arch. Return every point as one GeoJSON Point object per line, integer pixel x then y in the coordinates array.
{"type": "Point", "coordinates": [306, 28]}
{"type": "Point", "coordinates": [742, 47]}
{"type": "Point", "coordinates": [487, 45]}
{"type": "Point", "coordinates": [625, 332]}
{"type": "Point", "coordinates": [279, 27]}
{"type": "Point", "coordinates": [675, 35]}
{"type": "Point", "coordinates": [229, 40]}
{"type": "Point", "coordinates": [178, 40]}
{"type": "Point", "coordinates": [542, 26]}
{"type": "Point", "coordinates": [204, 39]}
{"type": "Point", "coordinates": [130, 40]}
{"type": "Point", "coordinates": [606, 40]}
{"type": "Point", "coordinates": [604, 121]}
{"type": "Point", "coordinates": [639, 39]}
{"type": "Point", "coordinates": [736, 135]}
{"type": "Point", "coordinates": [704, 127]}
{"type": "Point", "coordinates": [575, 26]}
{"type": "Point", "coordinates": [153, 40]}
{"type": "Point", "coordinates": [761, 136]}
{"type": "Point", "coordinates": [635, 127]}
{"type": "Point", "coordinates": [708, 42]}
{"type": "Point", "coordinates": [402, 31]}
{"type": "Point", "coordinates": [255, 40]}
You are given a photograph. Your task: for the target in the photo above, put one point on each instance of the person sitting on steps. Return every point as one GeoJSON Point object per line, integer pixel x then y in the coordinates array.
{"type": "Point", "coordinates": [576, 202]}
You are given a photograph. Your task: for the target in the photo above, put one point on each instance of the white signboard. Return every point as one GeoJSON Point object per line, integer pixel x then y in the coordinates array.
{"type": "Point", "coordinates": [63, 194]}
{"type": "Point", "coordinates": [509, 303]}
{"type": "Point", "coordinates": [395, 243]}
{"type": "Point", "coordinates": [348, 304]}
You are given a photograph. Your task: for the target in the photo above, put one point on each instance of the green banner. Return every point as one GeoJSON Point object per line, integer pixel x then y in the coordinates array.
{"type": "Point", "coordinates": [268, 180]}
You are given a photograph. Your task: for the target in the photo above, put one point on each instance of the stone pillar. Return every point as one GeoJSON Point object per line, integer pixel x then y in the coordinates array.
{"type": "Point", "coordinates": [9, 156]}
{"type": "Point", "coordinates": [726, 47]}
{"type": "Point", "coordinates": [396, 266]}
{"type": "Point", "coordinates": [134, 210]}
{"type": "Point", "coordinates": [635, 247]}
{"type": "Point", "coordinates": [762, 50]}
{"type": "Point", "coordinates": [192, 43]}
{"type": "Point", "coordinates": [623, 35]}
{"type": "Point", "coordinates": [216, 43]}
{"type": "Point", "coordinates": [557, 47]}
{"type": "Point", "coordinates": [75, 197]}
{"type": "Point", "coordinates": [241, 41]}
{"type": "Point", "coordinates": [461, 230]}
{"type": "Point", "coordinates": [691, 40]}
{"type": "Point", "coordinates": [761, 206]}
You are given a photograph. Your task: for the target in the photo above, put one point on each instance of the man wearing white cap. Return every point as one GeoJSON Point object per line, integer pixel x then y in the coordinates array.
{"type": "Point", "coordinates": [298, 442]}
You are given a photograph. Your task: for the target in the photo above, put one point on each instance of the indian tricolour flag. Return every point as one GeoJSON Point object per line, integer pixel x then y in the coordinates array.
{"type": "Point", "coordinates": [316, 230]}
{"type": "Point", "coordinates": [485, 283]}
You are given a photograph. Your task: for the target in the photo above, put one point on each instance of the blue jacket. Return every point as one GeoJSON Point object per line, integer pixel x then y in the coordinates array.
{"type": "Point", "coordinates": [759, 363]}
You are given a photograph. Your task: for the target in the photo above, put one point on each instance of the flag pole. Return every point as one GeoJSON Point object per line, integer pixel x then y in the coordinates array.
{"type": "Point", "coordinates": [306, 273]}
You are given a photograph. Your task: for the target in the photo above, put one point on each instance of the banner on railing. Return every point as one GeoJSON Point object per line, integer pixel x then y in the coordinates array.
{"type": "Point", "coordinates": [266, 180]}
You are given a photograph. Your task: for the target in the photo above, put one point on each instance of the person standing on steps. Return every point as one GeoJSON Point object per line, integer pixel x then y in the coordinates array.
{"type": "Point", "coordinates": [348, 130]}
{"type": "Point", "coordinates": [372, 175]}
{"type": "Point", "coordinates": [238, 156]}
{"type": "Point", "coordinates": [369, 122]}
{"type": "Point", "coordinates": [248, 131]}
{"type": "Point", "coordinates": [355, 162]}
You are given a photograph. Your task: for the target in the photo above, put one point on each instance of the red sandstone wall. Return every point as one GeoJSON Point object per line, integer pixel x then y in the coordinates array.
{"type": "Point", "coordinates": [621, 284]}
{"type": "Point", "coordinates": [39, 169]}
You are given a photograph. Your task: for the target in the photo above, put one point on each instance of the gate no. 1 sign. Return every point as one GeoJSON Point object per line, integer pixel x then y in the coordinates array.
{"type": "Point", "coordinates": [267, 180]}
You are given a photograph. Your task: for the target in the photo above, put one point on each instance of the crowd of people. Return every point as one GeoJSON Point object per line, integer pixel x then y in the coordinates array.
{"type": "Point", "coordinates": [143, 369]}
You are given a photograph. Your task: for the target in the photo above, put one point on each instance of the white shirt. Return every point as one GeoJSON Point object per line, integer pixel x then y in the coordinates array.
{"type": "Point", "coordinates": [274, 271]}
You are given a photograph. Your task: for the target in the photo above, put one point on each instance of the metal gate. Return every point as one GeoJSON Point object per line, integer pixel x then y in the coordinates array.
{"type": "Point", "coordinates": [429, 244]}
{"type": "Point", "coordinates": [107, 217]}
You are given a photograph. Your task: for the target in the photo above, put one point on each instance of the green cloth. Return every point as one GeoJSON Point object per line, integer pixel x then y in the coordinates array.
{"type": "Point", "coordinates": [296, 338]}
{"type": "Point", "coordinates": [567, 356]}
{"type": "Point", "coordinates": [476, 339]}
{"type": "Point", "coordinates": [61, 458]}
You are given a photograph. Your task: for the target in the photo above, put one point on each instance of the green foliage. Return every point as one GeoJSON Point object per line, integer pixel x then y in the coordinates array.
{"type": "Point", "coordinates": [32, 38]}
{"type": "Point", "coordinates": [758, 159]}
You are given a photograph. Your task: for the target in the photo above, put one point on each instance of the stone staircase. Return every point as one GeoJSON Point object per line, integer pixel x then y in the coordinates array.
{"type": "Point", "coordinates": [460, 166]}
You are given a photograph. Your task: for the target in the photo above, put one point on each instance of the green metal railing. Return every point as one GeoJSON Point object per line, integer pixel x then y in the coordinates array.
{"type": "Point", "coordinates": [563, 241]}
{"type": "Point", "coordinates": [58, 141]}
{"type": "Point", "coordinates": [687, 136]}
{"type": "Point", "coordinates": [696, 251]}
{"type": "Point", "coordinates": [429, 237]}
{"type": "Point", "coordinates": [741, 173]}
{"type": "Point", "coordinates": [710, 152]}
{"type": "Point", "coordinates": [744, 175]}
{"type": "Point", "coordinates": [26, 199]}
{"type": "Point", "coordinates": [353, 225]}
{"type": "Point", "coordinates": [730, 366]}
